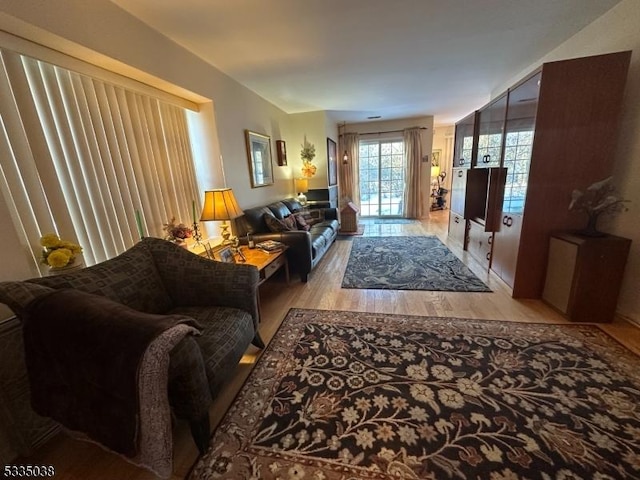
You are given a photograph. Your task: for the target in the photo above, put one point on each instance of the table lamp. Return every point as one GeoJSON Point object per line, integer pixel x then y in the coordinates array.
{"type": "Point", "coordinates": [302, 187]}
{"type": "Point", "coordinates": [220, 205]}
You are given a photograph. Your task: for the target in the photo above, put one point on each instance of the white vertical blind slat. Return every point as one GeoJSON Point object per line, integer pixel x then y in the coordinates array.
{"type": "Point", "coordinates": [34, 160]}
{"type": "Point", "coordinates": [100, 153]}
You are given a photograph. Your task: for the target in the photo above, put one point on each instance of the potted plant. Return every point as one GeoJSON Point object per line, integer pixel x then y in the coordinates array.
{"type": "Point", "coordinates": [598, 199]}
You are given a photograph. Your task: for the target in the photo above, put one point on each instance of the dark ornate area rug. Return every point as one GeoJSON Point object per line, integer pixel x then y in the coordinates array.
{"type": "Point", "coordinates": [344, 395]}
{"type": "Point", "coordinates": [408, 263]}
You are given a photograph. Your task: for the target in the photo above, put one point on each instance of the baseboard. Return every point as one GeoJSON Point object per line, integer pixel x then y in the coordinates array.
{"type": "Point", "coordinates": [626, 318]}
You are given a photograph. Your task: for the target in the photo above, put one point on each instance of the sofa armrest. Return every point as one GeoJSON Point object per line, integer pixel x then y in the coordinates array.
{"type": "Point", "coordinates": [192, 280]}
{"type": "Point", "coordinates": [330, 213]}
{"type": "Point", "coordinates": [299, 242]}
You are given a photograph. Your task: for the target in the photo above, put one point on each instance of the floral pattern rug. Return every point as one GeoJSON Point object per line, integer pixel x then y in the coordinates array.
{"type": "Point", "coordinates": [408, 263]}
{"type": "Point", "coordinates": [345, 395]}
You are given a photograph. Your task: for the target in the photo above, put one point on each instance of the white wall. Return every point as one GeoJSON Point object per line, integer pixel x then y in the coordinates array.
{"type": "Point", "coordinates": [399, 125]}
{"type": "Point", "coordinates": [617, 30]}
{"type": "Point", "coordinates": [443, 138]}
{"type": "Point", "coordinates": [103, 34]}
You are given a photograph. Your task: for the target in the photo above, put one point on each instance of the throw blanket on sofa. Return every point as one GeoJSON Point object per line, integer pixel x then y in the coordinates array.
{"type": "Point", "coordinates": [86, 356]}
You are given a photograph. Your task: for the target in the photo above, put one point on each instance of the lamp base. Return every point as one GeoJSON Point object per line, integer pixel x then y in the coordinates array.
{"type": "Point", "coordinates": [302, 199]}
{"type": "Point", "coordinates": [225, 233]}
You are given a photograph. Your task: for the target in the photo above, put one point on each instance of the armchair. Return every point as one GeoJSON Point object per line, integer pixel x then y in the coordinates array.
{"type": "Point", "coordinates": [156, 281]}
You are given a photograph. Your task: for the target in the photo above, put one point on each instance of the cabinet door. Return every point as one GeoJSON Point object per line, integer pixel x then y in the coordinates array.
{"type": "Point", "coordinates": [479, 244]}
{"type": "Point", "coordinates": [458, 229]}
{"type": "Point", "coordinates": [506, 242]}
{"type": "Point", "coordinates": [459, 190]}
{"type": "Point", "coordinates": [490, 133]}
{"type": "Point", "coordinates": [519, 133]}
{"type": "Point", "coordinates": [464, 142]}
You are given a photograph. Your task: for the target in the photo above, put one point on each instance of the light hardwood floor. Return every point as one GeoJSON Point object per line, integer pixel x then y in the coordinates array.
{"type": "Point", "coordinates": [78, 460]}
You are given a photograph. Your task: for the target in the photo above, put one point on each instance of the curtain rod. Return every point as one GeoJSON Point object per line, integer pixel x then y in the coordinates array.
{"type": "Point", "coordinates": [388, 131]}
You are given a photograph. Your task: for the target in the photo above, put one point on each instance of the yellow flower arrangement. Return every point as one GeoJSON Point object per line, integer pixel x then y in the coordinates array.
{"type": "Point", "coordinates": [58, 253]}
{"type": "Point", "coordinates": [307, 154]}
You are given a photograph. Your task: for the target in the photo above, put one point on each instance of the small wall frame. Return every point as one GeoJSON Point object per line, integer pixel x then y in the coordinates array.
{"type": "Point", "coordinates": [281, 153]}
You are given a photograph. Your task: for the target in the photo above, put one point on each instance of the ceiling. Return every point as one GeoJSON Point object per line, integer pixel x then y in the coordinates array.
{"type": "Point", "coordinates": [364, 58]}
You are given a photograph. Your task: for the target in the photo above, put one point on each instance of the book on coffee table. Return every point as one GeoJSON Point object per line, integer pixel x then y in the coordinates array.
{"type": "Point", "coordinates": [270, 246]}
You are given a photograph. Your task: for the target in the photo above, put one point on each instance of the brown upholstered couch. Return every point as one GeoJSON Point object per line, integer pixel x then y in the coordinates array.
{"type": "Point", "coordinates": [306, 248]}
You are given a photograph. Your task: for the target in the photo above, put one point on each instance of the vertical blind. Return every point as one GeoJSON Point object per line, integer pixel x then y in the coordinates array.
{"type": "Point", "coordinates": [79, 156]}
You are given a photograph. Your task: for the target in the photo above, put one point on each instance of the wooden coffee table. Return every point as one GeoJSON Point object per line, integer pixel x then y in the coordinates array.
{"type": "Point", "coordinates": [266, 263]}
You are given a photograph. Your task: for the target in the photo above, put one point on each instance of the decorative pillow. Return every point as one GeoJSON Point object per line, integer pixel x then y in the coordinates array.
{"type": "Point", "coordinates": [276, 225]}
{"type": "Point", "coordinates": [290, 222]}
{"type": "Point", "coordinates": [301, 222]}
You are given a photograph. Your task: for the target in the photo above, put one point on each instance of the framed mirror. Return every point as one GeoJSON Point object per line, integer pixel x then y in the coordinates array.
{"type": "Point", "coordinates": [259, 155]}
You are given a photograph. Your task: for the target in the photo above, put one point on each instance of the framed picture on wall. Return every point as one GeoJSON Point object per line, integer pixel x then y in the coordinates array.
{"type": "Point", "coordinates": [259, 154]}
{"type": "Point", "coordinates": [332, 161]}
{"type": "Point", "coordinates": [281, 153]}
{"type": "Point", "coordinates": [435, 158]}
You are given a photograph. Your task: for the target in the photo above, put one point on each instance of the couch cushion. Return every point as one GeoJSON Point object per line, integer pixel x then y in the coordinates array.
{"type": "Point", "coordinates": [253, 220]}
{"type": "Point", "coordinates": [318, 244]}
{"type": "Point", "coordinates": [331, 224]}
{"type": "Point", "coordinates": [131, 278]}
{"type": "Point", "coordinates": [292, 204]}
{"type": "Point", "coordinates": [279, 209]}
{"type": "Point", "coordinates": [226, 334]}
{"type": "Point", "coordinates": [276, 225]}
{"type": "Point", "coordinates": [301, 222]}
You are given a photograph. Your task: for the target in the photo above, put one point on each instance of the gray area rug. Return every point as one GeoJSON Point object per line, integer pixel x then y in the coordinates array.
{"type": "Point", "coordinates": [408, 263]}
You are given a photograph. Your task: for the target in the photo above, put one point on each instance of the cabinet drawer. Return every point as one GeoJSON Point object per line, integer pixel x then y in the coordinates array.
{"type": "Point", "coordinates": [273, 267]}
{"type": "Point", "coordinates": [479, 244]}
{"type": "Point", "coordinates": [457, 229]}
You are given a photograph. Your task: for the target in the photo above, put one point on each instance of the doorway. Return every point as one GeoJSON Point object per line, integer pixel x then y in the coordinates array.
{"type": "Point", "coordinates": [381, 178]}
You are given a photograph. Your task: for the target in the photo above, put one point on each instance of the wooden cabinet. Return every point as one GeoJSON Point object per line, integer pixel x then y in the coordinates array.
{"type": "Point", "coordinates": [584, 275]}
{"type": "Point", "coordinates": [465, 145]}
{"type": "Point", "coordinates": [518, 140]}
{"type": "Point", "coordinates": [575, 131]}
{"type": "Point", "coordinates": [557, 135]}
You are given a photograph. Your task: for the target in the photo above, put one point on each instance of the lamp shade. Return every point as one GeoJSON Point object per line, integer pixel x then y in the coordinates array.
{"type": "Point", "coordinates": [302, 185]}
{"type": "Point", "coordinates": [435, 170]}
{"type": "Point", "coordinates": [220, 205]}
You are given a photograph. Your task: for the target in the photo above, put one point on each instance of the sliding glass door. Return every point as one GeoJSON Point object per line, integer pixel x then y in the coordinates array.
{"type": "Point", "coordinates": [382, 178]}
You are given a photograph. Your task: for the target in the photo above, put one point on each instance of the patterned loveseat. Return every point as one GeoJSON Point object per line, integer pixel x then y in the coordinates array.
{"type": "Point", "coordinates": [160, 278]}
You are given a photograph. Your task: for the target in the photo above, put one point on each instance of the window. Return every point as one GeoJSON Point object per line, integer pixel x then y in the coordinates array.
{"type": "Point", "coordinates": [381, 177]}
{"type": "Point", "coordinates": [517, 157]}
{"type": "Point", "coordinates": [79, 156]}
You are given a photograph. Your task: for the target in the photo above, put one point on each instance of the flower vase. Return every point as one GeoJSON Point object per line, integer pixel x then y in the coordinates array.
{"type": "Point", "coordinates": [591, 229]}
{"type": "Point", "coordinates": [72, 267]}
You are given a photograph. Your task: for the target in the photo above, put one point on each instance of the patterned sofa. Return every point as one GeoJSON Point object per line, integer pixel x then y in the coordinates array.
{"type": "Point", "coordinates": [306, 246]}
{"type": "Point", "coordinates": [158, 277]}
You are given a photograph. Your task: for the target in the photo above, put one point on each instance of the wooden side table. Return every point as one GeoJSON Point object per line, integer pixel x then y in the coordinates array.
{"type": "Point", "coordinates": [266, 263]}
{"type": "Point", "coordinates": [584, 275]}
